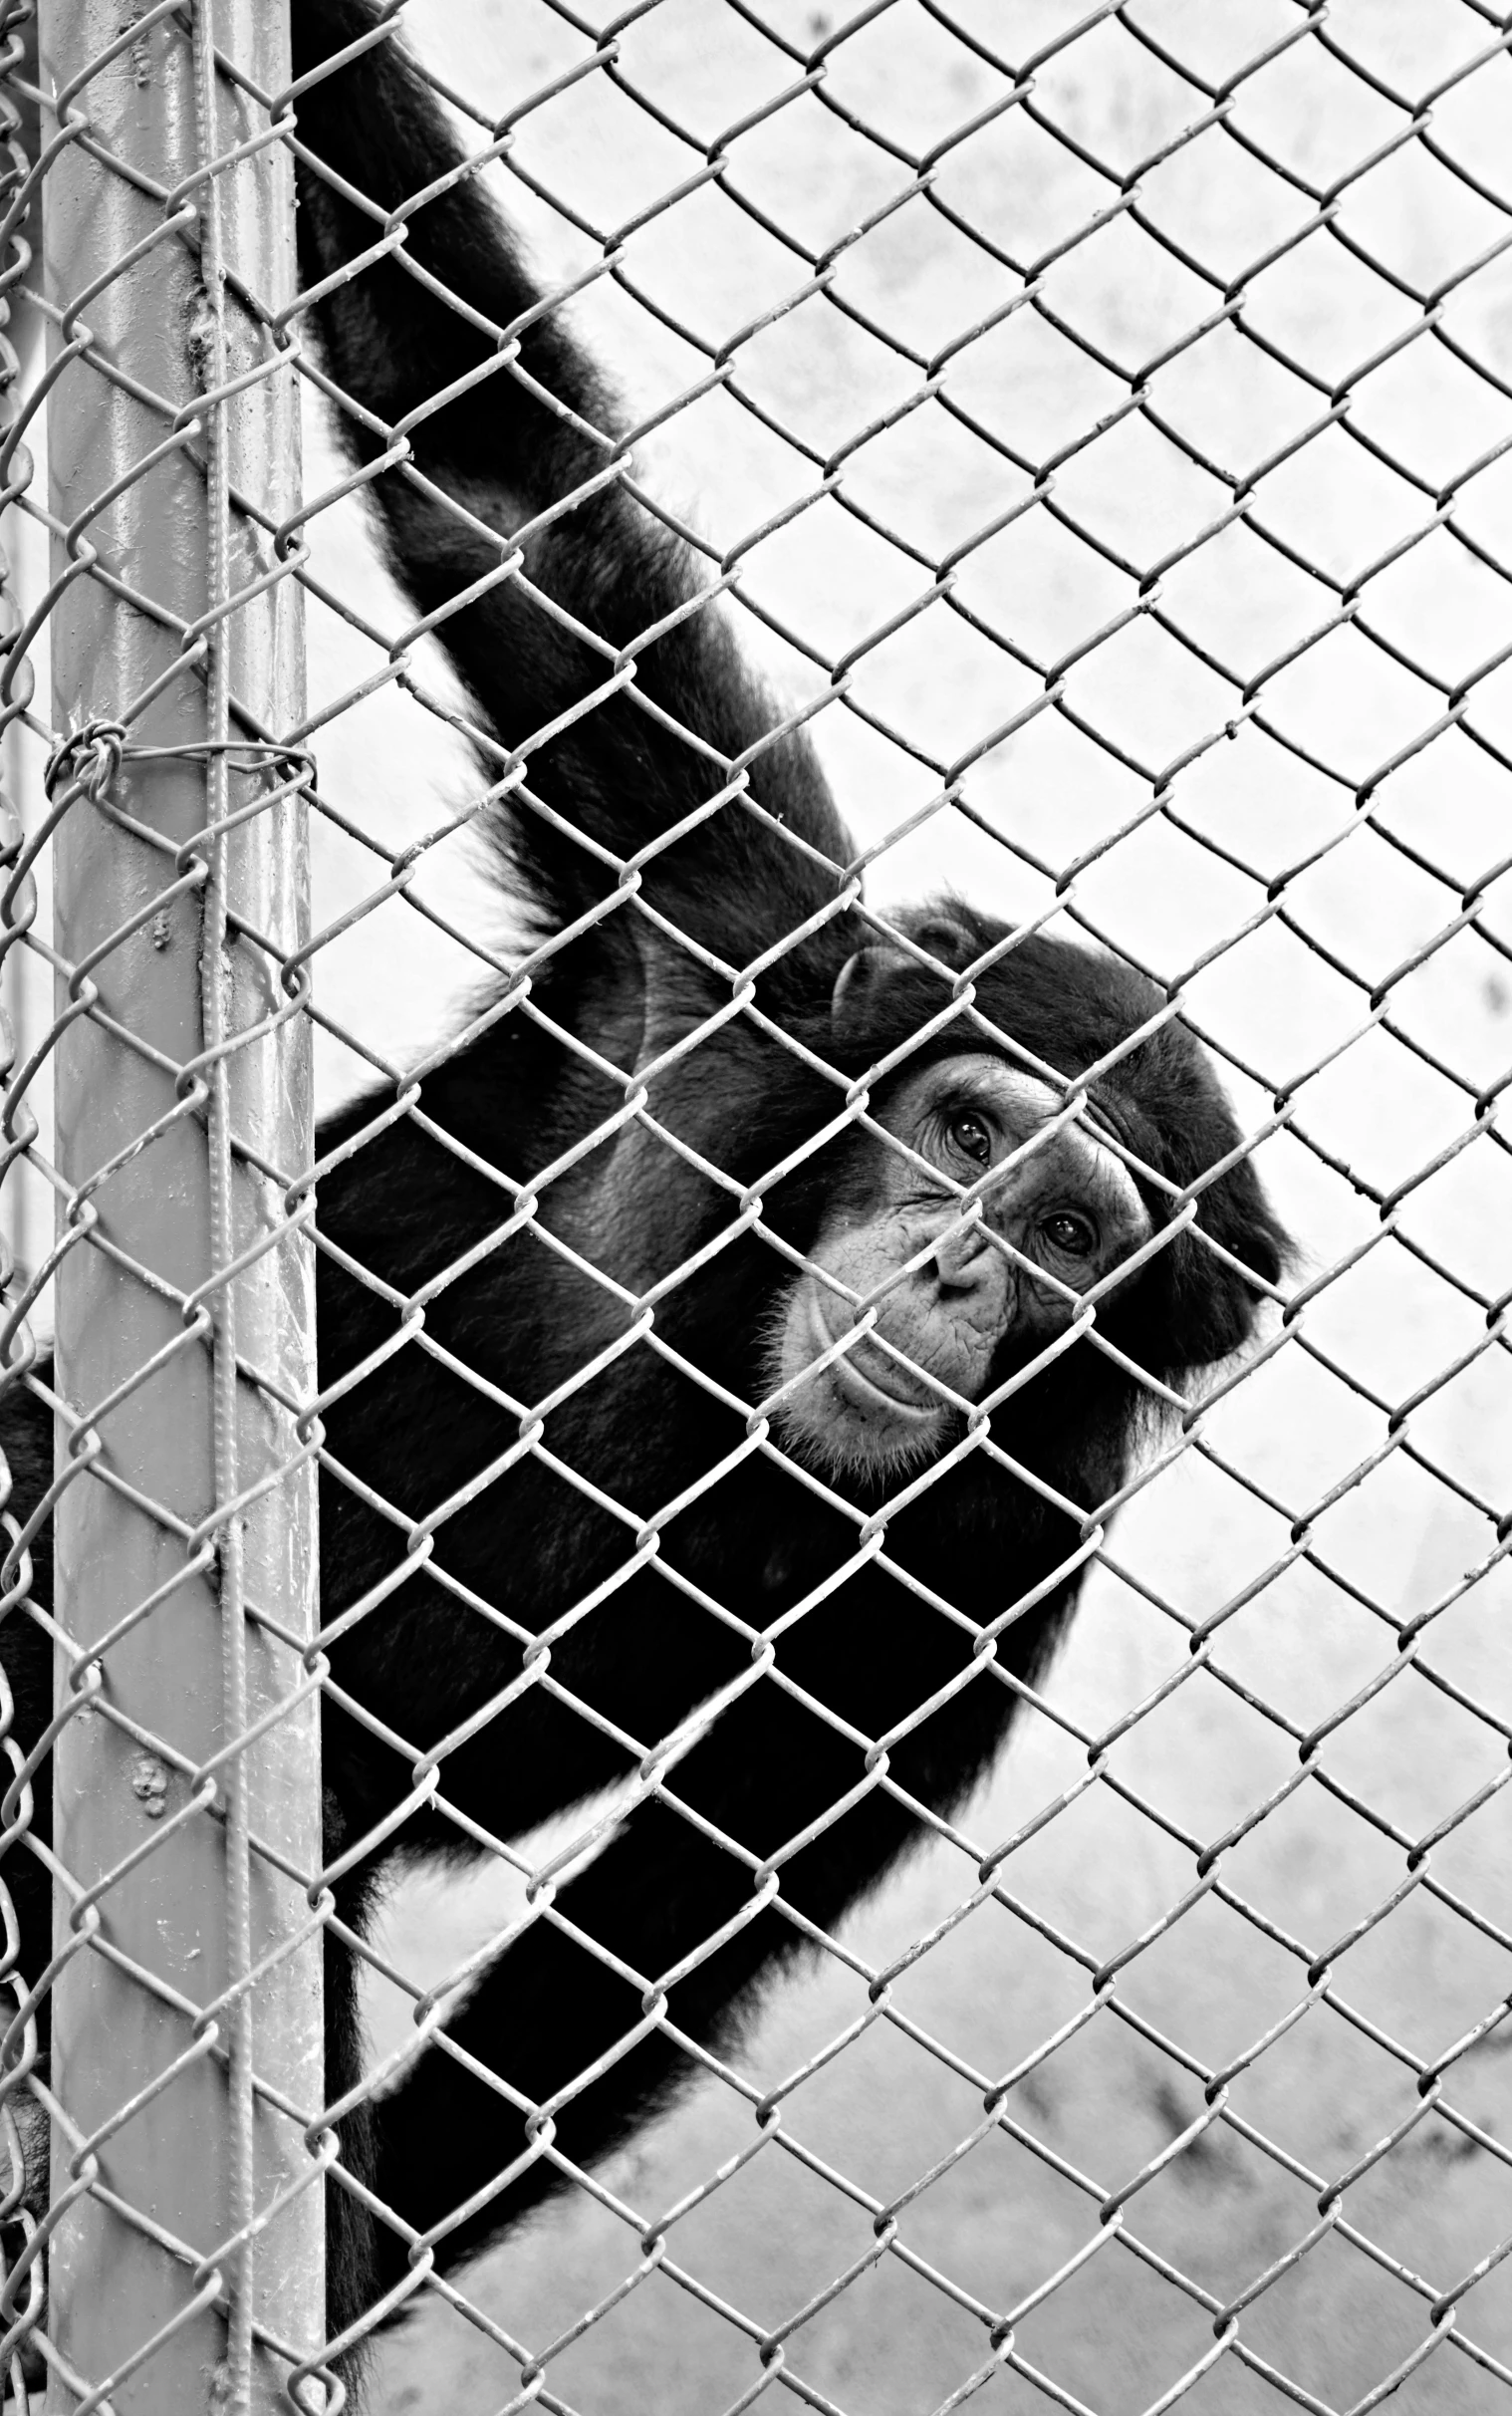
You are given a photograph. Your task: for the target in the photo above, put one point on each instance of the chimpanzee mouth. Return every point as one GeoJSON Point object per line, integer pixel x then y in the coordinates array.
{"type": "Point", "coordinates": [876, 1383]}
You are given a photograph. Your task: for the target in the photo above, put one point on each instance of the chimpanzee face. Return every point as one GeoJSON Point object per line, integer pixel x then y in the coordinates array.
{"type": "Point", "coordinates": [978, 1225]}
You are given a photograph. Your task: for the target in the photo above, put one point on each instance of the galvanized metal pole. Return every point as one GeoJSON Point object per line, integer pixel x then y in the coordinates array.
{"type": "Point", "coordinates": [188, 2269]}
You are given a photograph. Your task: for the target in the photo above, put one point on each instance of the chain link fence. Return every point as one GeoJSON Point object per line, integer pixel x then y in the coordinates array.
{"type": "Point", "coordinates": [1098, 429]}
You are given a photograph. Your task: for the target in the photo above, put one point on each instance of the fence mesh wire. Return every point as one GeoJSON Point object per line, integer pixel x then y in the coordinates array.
{"type": "Point", "coordinates": [1099, 427]}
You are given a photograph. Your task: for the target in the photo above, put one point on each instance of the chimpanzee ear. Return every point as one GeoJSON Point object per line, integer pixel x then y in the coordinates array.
{"type": "Point", "coordinates": [854, 1001]}
{"type": "Point", "coordinates": [864, 977]}
{"type": "Point", "coordinates": [944, 937]}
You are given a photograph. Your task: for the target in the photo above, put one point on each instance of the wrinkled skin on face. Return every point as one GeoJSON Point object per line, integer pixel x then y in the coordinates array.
{"type": "Point", "coordinates": [983, 1226]}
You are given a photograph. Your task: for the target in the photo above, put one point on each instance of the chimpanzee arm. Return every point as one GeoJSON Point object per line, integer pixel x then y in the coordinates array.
{"type": "Point", "coordinates": [551, 2007]}
{"type": "Point", "coordinates": [26, 1654]}
{"type": "Point", "coordinates": [533, 429]}
{"type": "Point", "coordinates": [769, 1770]}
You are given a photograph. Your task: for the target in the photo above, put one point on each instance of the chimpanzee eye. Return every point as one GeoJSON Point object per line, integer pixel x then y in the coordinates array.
{"type": "Point", "coordinates": [1074, 1236]}
{"type": "Point", "coordinates": [971, 1137]}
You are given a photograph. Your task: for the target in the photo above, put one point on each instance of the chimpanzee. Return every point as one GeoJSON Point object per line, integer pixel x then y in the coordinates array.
{"type": "Point", "coordinates": [750, 1314]}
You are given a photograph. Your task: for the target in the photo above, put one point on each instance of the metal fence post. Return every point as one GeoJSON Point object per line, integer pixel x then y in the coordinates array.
{"type": "Point", "coordinates": [188, 2271]}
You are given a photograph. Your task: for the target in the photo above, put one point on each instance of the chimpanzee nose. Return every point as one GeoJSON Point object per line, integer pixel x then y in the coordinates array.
{"type": "Point", "coordinates": [966, 1259]}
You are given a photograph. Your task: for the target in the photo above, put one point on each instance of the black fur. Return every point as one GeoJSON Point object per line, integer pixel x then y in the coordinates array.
{"type": "Point", "coordinates": [512, 1562]}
